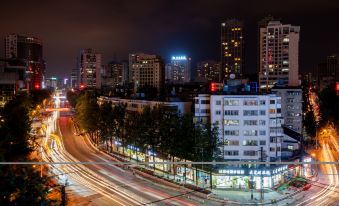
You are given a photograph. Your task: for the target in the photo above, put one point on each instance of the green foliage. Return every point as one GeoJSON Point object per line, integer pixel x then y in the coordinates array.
{"type": "Point", "coordinates": [14, 129]}
{"type": "Point", "coordinates": [159, 129]}
{"type": "Point", "coordinates": [37, 96]}
{"type": "Point", "coordinates": [20, 185]}
{"type": "Point", "coordinates": [87, 111]}
{"type": "Point", "coordinates": [72, 98]}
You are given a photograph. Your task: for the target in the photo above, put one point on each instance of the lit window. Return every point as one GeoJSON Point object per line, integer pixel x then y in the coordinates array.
{"type": "Point", "coordinates": [231, 122]}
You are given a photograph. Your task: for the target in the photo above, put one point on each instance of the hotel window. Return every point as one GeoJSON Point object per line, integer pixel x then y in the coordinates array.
{"type": "Point", "coordinates": [231, 122]}
{"type": "Point", "coordinates": [272, 101]}
{"type": "Point", "coordinates": [250, 122]}
{"type": "Point", "coordinates": [205, 111]}
{"type": "Point", "coordinates": [262, 132]}
{"type": "Point", "coordinates": [231, 153]}
{"type": "Point", "coordinates": [250, 143]}
{"type": "Point", "coordinates": [231, 102]}
{"type": "Point", "coordinates": [231, 142]}
{"type": "Point", "coordinates": [250, 153]}
{"type": "Point", "coordinates": [262, 122]}
{"type": "Point", "coordinates": [232, 132]}
{"type": "Point", "coordinates": [250, 102]}
{"type": "Point", "coordinates": [250, 133]}
{"type": "Point", "coordinates": [218, 102]}
{"type": "Point", "coordinates": [262, 142]}
{"type": "Point", "coordinates": [205, 101]}
{"type": "Point", "coordinates": [262, 102]}
{"type": "Point", "coordinates": [262, 112]}
{"type": "Point", "coordinates": [217, 112]}
{"type": "Point", "coordinates": [231, 112]}
{"type": "Point", "coordinates": [250, 112]}
{"type": "Point", "coordinates": [272, 111]}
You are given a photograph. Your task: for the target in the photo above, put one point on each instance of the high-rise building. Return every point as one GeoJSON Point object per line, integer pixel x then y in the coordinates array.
{"type": "Point", "coordinates": [90, 69]}
{"type": "Point", "coordinates": [327, 72]}
{"type": "Point", "coordinates": [146, 70]}
{"type": "Point", "coordinates": [75, 76]}
{"type": "Point", "coordinates": [261, 24]}
{"type": "Point", "coordinates": [208, 71]}
{"type": "Point", "coordinates": [279, 55]}
{"type": "Point", "coordinates": [28, 50]}
{"type": "Point", "coordinates": [179, 70]}
{"type": "Point", "coordinates": [114, 74]}
{"type": "Point", "coordinates": [232, 49]}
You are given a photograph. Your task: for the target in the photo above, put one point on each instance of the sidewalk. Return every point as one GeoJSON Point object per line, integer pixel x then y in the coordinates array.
{"type": "Point", "coordinates": [220, 195]}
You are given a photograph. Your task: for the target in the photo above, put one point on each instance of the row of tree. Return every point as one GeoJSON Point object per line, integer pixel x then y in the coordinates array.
{"type": "Point", "coordinates": [160, 130]}
{"type": "Point", "coordinates": [21, 184]}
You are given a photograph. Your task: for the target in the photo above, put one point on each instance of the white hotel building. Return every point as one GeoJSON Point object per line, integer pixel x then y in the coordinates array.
{"type": "Point", "coordinates": [248, 124]}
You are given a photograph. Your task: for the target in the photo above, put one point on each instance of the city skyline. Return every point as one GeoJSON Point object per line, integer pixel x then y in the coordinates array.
{"type": "Point", "coordinates": [173, 32]}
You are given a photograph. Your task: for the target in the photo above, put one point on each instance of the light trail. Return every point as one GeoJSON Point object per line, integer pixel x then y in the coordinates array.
{"type": "Point", "coordinates": [86, 177]}
{"type": "Point", "coordinates": [90, 179]}
{"type": "Point", "coordinates": [333, 181]}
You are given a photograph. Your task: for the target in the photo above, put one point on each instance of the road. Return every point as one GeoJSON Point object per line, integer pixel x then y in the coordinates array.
{"type": "Point", "coordinates": [325, 190]}
{"type": "Point", "coordinates": [111, 184]}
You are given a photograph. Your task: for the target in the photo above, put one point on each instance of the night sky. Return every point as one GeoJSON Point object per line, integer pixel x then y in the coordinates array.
{"type": "Point", "coordinates": [117, 28]}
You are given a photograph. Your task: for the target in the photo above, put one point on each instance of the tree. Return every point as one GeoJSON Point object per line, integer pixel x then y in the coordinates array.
{"type": "Point", "coordinates": [106, 124]}
{"type": "Point", "coordinates": [72, 98]}
{"type": "Point", "coordinates": [87, 111]}
{"type": "Point", "coordinates": [20, 184]}
{"type": "Point", "coordinates": [14, 129]}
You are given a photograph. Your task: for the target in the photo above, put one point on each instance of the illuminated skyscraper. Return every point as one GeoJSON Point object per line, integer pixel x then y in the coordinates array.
{"type": "Point", "coordinates": [279, 55]}
{"type": "Point", "coordinates": [232, 49]}
{"type": "Point", "coordinates": [179, 70]}
{"type": "Point", "coordinates": [90, 69]}
{"type": "Point", "coordinates": [261, 24]}
{"type": "Point", "coordinates": [146, 70]}
{"type": "Point", "coordinates": [29, 51]}
{"type": "Point", "coordinates": [208, 71]}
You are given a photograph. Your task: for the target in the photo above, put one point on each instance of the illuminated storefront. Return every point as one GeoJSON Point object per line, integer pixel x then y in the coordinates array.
{"type": "Point", "coordinates": [241, 178]}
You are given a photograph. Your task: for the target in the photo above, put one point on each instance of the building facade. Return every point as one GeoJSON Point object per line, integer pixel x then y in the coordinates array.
{"type": "Point", "coordinates": [28, 50]}
{"type": "Point", "coordinates": [179, 70]}
{"type": "Point", "coordinates": [327, 72]}
{"type": "Point", "coordinates": [279, 55]}
{"type": "Point", "coordinates": [75, 76]}
{"type": "Point", "coordinates": [208, 71]}
{"type": "Point", "coordinates": [246, 123]}
{"type": "Point", "coordinates": [250, 129]}
{"type": "Point", "coordinates": [114, 74]}
{"type": "Point", "coordinates": [146, 70]}
{"type": "Point", "coordinates": [232, 49]}
{"type": "Point", "coordinates": [291, 106]}
{"type": "Point", "coordinates": [89, 69]}
{"type": "Point", "coordinates": [133, 105]}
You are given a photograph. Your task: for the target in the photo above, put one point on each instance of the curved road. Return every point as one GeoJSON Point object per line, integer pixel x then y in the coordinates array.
{"type": "Point", "coordinates": [114, 185]}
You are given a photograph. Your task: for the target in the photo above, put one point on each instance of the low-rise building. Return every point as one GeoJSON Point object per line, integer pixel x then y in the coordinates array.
{"type": "Point", "coordinates": [134, 105]}
{"type": "Point", "coordinates": [291, 106]}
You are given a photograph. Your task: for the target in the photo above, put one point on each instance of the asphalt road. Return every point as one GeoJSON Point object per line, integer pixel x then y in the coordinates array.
{"type": "Point", "coordinates": [115, 185]}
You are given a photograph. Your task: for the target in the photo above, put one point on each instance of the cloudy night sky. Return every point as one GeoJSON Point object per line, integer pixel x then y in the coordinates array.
{"type": "Point", "coordinates": [117, 28]}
